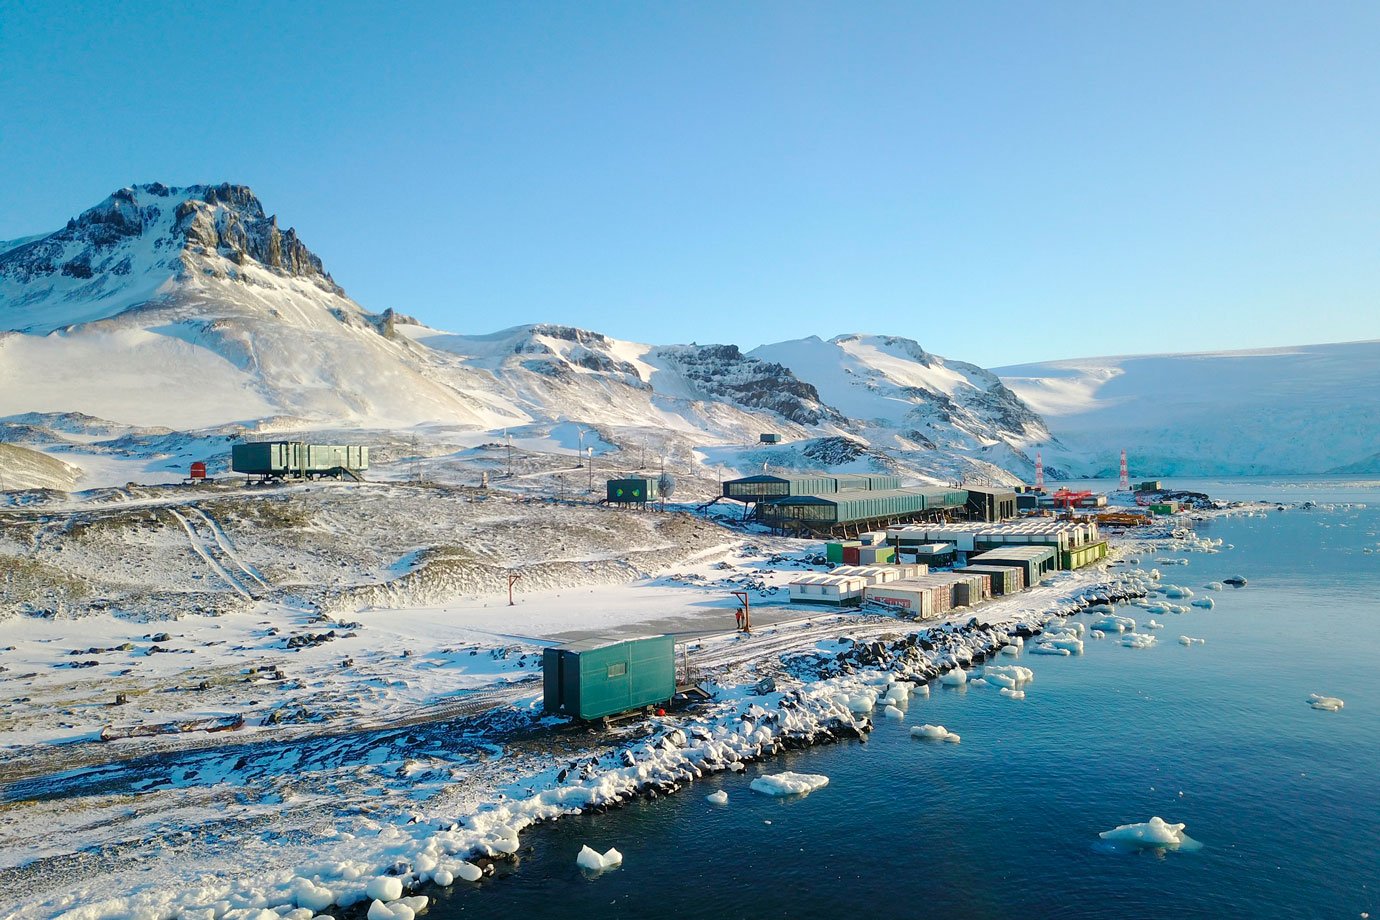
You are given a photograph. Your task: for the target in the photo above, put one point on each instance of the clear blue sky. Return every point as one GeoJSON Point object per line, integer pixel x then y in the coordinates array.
{"type": "Point", "coordinates": [1002, 181]}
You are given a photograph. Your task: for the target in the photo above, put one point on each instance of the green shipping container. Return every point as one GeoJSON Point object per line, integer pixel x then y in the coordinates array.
{"type": "Point", "coordinates": [634, 490]}
{"type": "Point", "coordinates": [833, 552]}
{"type": "Point", "coordinates": [295, 458]}
{"type": "Point", "coordinates": [593, 678]}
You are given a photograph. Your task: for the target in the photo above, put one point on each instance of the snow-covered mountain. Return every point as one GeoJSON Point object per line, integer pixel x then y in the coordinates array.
{"type": "Point", "coordinates": [1309, 409]}
{"type": "Point", "coordinates": [190, 309]}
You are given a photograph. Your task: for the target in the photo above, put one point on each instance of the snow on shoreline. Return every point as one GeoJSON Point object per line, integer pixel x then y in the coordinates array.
{"type": "Point", "coordinates": [337, 868]}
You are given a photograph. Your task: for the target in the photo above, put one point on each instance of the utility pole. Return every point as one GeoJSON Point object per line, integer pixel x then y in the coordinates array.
{"type": "Point", "coordinates": [512, 580]}
{"type": "Point", "coordinates": [509, 438]}
{"type": "Point", "coordinates": [579, 454]}
{"type": "Point", "coordinates": [591, 468]}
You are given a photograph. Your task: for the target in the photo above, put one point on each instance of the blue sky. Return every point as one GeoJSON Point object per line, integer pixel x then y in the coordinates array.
{"type": "Point", "coordinates": [1002, 182]}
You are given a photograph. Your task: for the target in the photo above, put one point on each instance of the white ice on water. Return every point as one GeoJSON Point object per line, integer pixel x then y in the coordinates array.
{"type": "Point", "coordinates": [954, 678]}
{"type": "Point", "coordinates": [1206, 603]}
{"type": "Point", "coordinates": [1046, 648]}
{"type": "Point", "coordinates": [1010, 650]}
{"type": "Point", "coordinates": [789, 783]}
{"type": "Point", "coordinates": [1153, 625]}
{"type": "Point", "coordinates": [1012, 693]}
{"type": "Point", "coordinates": [1138, 640]}
{"type": "Point", "coordinates": [717, 798]}
{"type": "Point", "coordinates": [1189, 640]}
{"type": "Point", "coordinates": [1115, 624]}
{"type": "Point", "coordinates": [892, 712]}
{"type": "Point", "coordinates": [384, 888]}
{"type": "Point", "coordinates": [595, 861]}
{"type": "Point", "coordinates": [934, 733]}
{"type": "Point", "coordinates": [1008, 676]}
{"type": "Point", "coordinates": [1153, 833]}
{"type": "Point", "coordinates": [1325, 703]}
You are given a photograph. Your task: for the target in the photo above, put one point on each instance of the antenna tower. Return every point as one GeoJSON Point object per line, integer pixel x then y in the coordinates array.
{"type": "Point", "coordinates": [1125, 484]}
{"type": "Point", "coordinates": [1039, 472]}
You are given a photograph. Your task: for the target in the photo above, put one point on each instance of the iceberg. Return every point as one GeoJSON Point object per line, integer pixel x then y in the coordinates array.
{"type": "Point", "coordinates": [717, 798]}
{"type": "Point", "coordinates": [789, 783]}
{"type": "Point", "coordinates": [934, 733]}
{"type": "Point", "coordinates": [954, 678]}
{"type": "Point", "coordinates": [1189, 640]}
{"type": "Point", "coordinates": [1153, 833]}
{"type": "Point", "coordinates": [594, 861]}
{"type": "Point", "coordinates": [1115, 624]}
{"type": "Point", "coordinates": [1137, 640]}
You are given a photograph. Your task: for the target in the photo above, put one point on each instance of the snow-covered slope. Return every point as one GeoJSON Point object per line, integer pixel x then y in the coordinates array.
{"type": "Point", "coordinates": [1309, 409]}
{"type": "Point", "coordinates": [190, 309]}
{"type": "Point", "coordinates": [22, 468]}
{"type": "Point", "coordinates": [903, 399]}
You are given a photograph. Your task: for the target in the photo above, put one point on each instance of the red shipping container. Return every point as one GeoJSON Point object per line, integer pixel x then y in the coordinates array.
{"type": "Point", "coordinates": [852, 555]}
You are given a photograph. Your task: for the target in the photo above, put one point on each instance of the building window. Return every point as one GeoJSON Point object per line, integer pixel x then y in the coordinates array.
{"type": "Point", "coordinates": [618, 669]}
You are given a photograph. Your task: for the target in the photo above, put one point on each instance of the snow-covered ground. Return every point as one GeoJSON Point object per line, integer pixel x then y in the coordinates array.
{"type": "Point", "coordinates": [414, 737]}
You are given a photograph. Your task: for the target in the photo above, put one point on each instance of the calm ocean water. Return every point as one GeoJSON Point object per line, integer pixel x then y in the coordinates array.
{"type": "Point", "coordinates": [1284, 799]}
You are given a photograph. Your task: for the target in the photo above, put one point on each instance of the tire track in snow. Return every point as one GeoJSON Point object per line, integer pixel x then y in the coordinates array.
{"type": "Point", "coordinates": [223, 541]}
{"type": "Point", "coordinates": [202, 550]}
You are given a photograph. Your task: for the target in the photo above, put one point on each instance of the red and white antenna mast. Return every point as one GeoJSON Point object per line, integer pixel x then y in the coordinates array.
{"type": "Point", "coordinates": [1039, 472]}
{"type": "Point", "coordinates": [1125, 484]}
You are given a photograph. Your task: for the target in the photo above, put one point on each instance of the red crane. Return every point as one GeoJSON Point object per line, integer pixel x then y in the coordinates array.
{"type": "Point", "coordinates": [1067, 498]}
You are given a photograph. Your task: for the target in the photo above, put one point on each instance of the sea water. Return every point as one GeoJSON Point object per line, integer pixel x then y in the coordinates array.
{"type": "Point", "coordinates": [1284, 799]}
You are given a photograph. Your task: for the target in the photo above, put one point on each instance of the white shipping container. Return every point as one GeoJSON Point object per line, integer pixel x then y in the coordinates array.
{"type": "Point", "coordinates": [913, 599]}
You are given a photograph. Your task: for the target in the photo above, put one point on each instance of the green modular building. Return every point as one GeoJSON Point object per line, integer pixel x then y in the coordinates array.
{"type": "Point", "coordinates": [1078, 556]}
{"type": "Point", "coordinates": [857, 507]}
{"type": "Point", "coordinates": [298, 460]}
{"type": "Point", "coordinates": [635, 490]}
{"type": "Point", "coordinates": [765, 487]}
{"type": "Point", "coordinates": [991, 504]}
{"type": "Point", "coordinates": [605, 676]}
{"type": "Point", "coordinates": [1035, 560]}
{"type": "Point", "coordinates": [1005, 579]}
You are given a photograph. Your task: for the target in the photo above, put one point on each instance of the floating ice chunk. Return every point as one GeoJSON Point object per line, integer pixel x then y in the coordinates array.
{"type": "Point", "coordinates": [1008, 675]}
{"type": "Point", "coordinates": [1137, 640]}
{"type": "Point", "coordinates": [1235, 581]}
{"type": "Point", "coordinates": [1010, 650]}
{"type": "Point", "coordinates": [1189, 640]}
{"type": "Point", "coordinates": [1177, 591]}
{"type": "Point", "coordinates": [1325, 703]}
{"type": "Point", "coordinates": [1153, 625]}
{"type": "Point", "coordinates": [862, 702]}
{"type": "Point", "coordinates": [468, 871]}
{"type": "Point", "coordinates": [384, 888]}
{"type": "Point", "coordinates": [1214, 586]}
{"type": "Point", "coordinates": [1097, 634]}
{"type": "Point", "coordinates": [1100, 608]}
{"type": "Point", "coordinates": [737, 766]}
{"type": "Point", "coordinates": [954, 678]}
{"type": "Point", "coordinates": [1013, 693]}
{"type": "Point", "coordinates": [1064, 639]}
{"type": "Point", "coordinates": [717, 798]}
{"type": "Point", "coordinates": [1206, 603]}
{"type": "Point", "coordinates": [595, 861]}
{"type": "Point", "coordinates": [789, 783]}
{"type": "Point", "coordinates": [934, 733]}
{"type": "Point", "coordinates": [443, 877]}
{"type": "Point", "coordinates": [977, 682]}
{"type": "Point", "coordinates": [1045, 648]}
{"type": "Point", "coordinates": [891, 712]}
{"type": "Point", "coordinates": [1115, 624]}
{"type": "Point", "coordinates": [1016, 641]}
{"type": "Point", "coordinates": [922, 690]}
{"type": "Point", "coordinates": [898, 692]}
{"type": "Point", "coordinates": [1153, 833]}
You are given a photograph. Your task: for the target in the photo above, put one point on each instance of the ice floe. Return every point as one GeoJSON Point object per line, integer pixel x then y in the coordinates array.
{"type": "Point", "coordinates": [934, 733]}
{"type": "Point", "coordinates": [1189, 640]}
{"type": "Point", "coordinates": [1153, 625]}
{"type": "Point", "coordinates": [384, 888]}
{"type": "Point", "coordinates": [1008, 676]}
{"type": "Point", "coordinates": [1206, 603]}
{"type": "Point", "coordinates": [1115, 624]}
{"type": "Point", "coordinates": [1325, 703]}
{"type": "Point", "coordinates": [595, 861]}
{"type": "Point", "coordinates": [1045, 648]}
{"type": "Point", "coordinates": [789, 783]}
{"type": "Point", "coordinates": [1215, 586]}
{"type": "Point", "coordinates": [1138, 640]}
{"type": "Point", "coordinates": [1153, 833]}
{"type": "Point", "coordinates": [954, 677]}
{"type": "Point", "coordinates": [717, 798]}
{"type": "Point", "coordinates": [892, 712]}
{"type": "Point", "coordinates": [1013, 693]}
